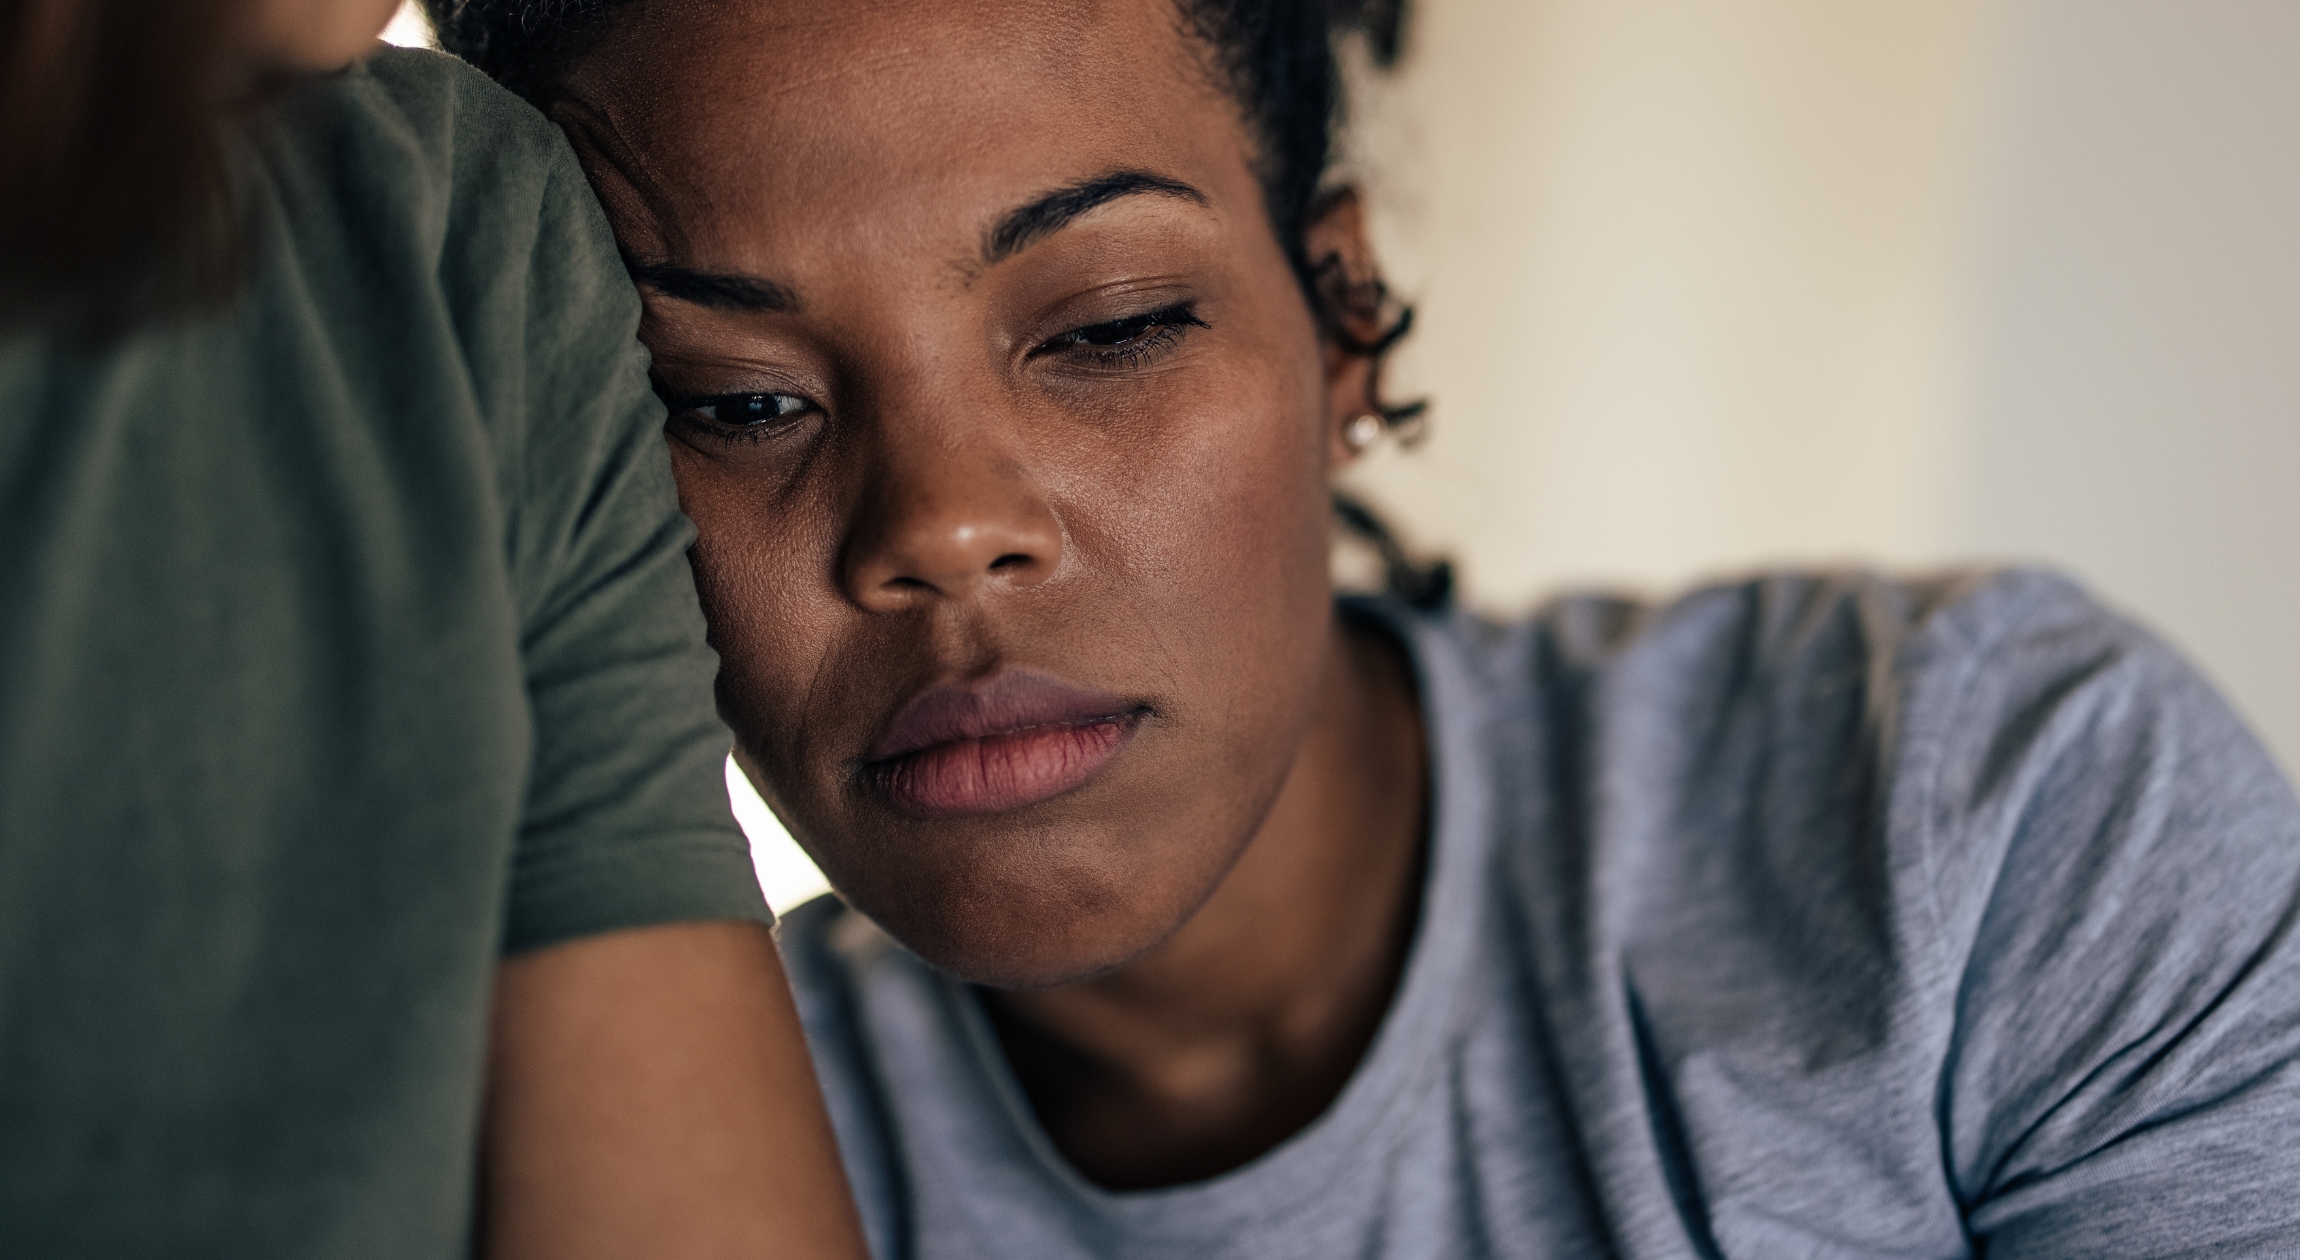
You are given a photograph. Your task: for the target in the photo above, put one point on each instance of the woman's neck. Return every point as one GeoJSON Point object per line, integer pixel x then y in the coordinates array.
{"type": "Point", "coordinates": [1239, 1030]}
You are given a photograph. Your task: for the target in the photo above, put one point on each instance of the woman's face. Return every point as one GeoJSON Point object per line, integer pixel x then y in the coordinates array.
{"type": "Point", "coordinates": [1006, 429]}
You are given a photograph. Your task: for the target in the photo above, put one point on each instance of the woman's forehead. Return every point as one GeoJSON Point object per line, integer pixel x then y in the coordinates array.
{"type": "Point", "coordinates": [740, 121]}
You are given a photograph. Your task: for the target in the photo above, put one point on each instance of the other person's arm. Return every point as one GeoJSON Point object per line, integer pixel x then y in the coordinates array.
{"type": "Point", "coordinates": [649, 1095]}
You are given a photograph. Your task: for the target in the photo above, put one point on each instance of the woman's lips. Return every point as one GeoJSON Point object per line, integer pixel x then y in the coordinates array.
{"type": "Point", "coordinates": [1015, 738]}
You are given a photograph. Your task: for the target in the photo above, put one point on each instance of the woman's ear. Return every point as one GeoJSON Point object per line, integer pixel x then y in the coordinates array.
{"type": "Point", "coordinates": [1347, 298]}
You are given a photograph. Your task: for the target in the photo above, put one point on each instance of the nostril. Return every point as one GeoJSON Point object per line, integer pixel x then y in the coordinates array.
{"type": "Point", "coordinates": [1011, 560]}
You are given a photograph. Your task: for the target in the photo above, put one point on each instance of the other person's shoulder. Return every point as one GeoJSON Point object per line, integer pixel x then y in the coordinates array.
{"type": "Point", "coordinates": [414, 150]}
{"type": "Point", "coordinates": [430, 103]}
{"type": "Point", "coordinates": [412, 184]}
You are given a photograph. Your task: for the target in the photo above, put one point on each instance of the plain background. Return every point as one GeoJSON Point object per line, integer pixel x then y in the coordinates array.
{"type": "Point", "coordinates": [1710, 285]}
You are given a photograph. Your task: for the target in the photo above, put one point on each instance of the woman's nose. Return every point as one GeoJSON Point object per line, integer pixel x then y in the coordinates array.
{"type": "Point", "coordinates": [950, 525]}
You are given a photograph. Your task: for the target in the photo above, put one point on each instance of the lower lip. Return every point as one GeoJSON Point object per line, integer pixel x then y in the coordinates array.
{"type": "Point", "coordinates": [1003, 772]}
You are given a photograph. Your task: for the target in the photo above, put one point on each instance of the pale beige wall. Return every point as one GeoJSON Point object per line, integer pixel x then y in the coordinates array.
{"type": "Point", "coordinates": [2136, 386]}
{"type": "Point", "coordinates": [1691, 279]}
{"type": "Point", "coordinates": [1708, 286]}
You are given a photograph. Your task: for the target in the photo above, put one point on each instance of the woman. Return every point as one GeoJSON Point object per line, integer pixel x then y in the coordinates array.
{"type": "Point", "coordinates": [1010, 349]}
{"type": "Point", "coordinates": [339, 565]}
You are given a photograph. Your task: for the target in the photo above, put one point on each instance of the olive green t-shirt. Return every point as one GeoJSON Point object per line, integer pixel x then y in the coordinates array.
{"type": "Point", "coordinates": [347, 643]}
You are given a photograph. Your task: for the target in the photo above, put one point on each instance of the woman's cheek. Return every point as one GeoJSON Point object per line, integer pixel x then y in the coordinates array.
{"type": "Point", "coordinates": [753, 558]}
{"type": "Point", "coordinates": [1241, 488]}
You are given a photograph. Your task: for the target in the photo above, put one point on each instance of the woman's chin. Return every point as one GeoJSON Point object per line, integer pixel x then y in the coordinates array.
{"type": "Point", "coordinates": [1017, 948]}
{"type": "Point", "coordinates": [1035, 967]}
{"type": "Point", "coordinates": [1025, 918]}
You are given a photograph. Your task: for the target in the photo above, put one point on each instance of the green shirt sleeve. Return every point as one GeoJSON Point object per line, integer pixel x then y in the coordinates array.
{"type": "Point", "coordinates": [626, 821]}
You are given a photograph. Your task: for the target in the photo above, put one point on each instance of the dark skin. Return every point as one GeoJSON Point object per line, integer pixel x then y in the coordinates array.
{"type": "Point", "coordinates": [984, 353]}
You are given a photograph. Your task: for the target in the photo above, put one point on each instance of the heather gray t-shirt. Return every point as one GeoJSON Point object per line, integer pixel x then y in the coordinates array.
{"type": "Point", "coordinates": [1817, 916]}
{"type": "Point", "coordinates": [347, 642]}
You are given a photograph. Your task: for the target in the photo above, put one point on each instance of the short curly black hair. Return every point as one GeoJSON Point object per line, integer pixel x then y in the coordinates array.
{"type": "Point", "coordinates": [1277, 58]}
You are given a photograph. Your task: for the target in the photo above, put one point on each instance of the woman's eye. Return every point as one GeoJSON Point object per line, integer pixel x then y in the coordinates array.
{"type": "Point", "coordinates": [750, 416]}
{"type": "Point", "coordinates": [1130, 341]}
{"type": "Point", "coordinates": [746, 410]}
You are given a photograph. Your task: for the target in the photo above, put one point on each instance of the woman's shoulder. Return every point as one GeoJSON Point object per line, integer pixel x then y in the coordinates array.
{"type": "Point", "coordinates": [1972, 858]}
{"type": "Point", "coordinates": [1937, 674]}
{"type": "Point", "coordinates": [1923, 726]}
{"type": "Point", "coordinates": [1944, 684]}
{"type": "Point", "coordinates": [1914, 661]}
{"type": "Point", "coordinates": [1773, 622]}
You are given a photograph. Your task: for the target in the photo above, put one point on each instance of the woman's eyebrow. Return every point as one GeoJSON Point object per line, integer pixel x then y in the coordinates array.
{"type": "Point", "coordinates": [716, 290]}
{"type": "Point", "coordinates": [1024, 225]}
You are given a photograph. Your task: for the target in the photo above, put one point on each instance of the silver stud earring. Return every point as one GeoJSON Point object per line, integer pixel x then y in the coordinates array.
{"type": "Point", "coordinates": [1362, 431]}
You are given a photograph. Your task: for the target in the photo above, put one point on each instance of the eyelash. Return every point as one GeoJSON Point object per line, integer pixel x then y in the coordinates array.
{"type": "Point", "coordinates": [1134, 341]}
{"type": "Point", "coordinates": [1140, 337]}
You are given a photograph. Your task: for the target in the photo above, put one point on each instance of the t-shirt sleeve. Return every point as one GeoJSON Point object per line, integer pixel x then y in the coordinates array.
{"type": "Point", "coordinates": [627, 822]}
{"type": "Point", "coordinates": [2124, 1079]}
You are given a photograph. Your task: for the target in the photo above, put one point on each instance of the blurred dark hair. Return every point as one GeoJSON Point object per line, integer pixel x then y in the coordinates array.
{"type": "Point", "coordinates": [116, 203]}
{"type": "Point", "coordinates": [1276, 58]}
